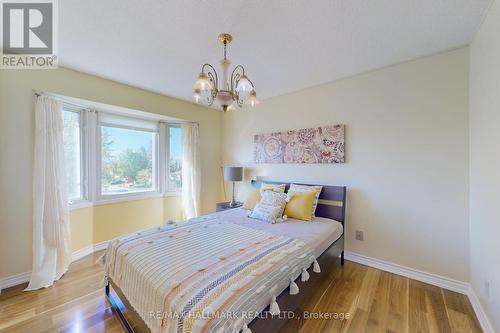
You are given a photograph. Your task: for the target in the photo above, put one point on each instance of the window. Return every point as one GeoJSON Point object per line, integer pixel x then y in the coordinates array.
{"type": "Point", "coordinates": [73, 154]}
{"type": "Point", "coordinates": [174, 159]}
{"type": "Point", "coordinates": [128, 158]}
{"type": "Point", "coordinates": [116, 155]}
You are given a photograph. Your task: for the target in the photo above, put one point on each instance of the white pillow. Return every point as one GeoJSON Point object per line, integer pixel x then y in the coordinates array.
{"type": "Point", "coordinates": [303, 188]}
{"type": "Point", "coordinates": [270, 207]}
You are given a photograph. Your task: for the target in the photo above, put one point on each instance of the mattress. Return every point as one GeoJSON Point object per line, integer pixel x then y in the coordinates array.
{"type": "Point", "coordinates": [319, 234]}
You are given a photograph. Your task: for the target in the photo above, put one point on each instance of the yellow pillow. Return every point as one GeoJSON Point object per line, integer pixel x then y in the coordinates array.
{"type": "Point", "coordinates": [252, 199]}
{"type": "Point", "coordinates": [272, 187]}
{"type": "Point", "coordinates": [300, 205]}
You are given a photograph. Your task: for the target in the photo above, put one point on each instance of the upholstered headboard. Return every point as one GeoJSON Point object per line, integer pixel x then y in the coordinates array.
{"type": "Point", "coordinates": [331, 199]}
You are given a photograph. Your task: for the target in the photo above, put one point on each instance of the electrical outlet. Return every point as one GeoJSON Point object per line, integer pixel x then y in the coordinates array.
{"type": "Point", "coordinates": [359, 235]}
{"type": "Point", "coordinates": [487, 288]}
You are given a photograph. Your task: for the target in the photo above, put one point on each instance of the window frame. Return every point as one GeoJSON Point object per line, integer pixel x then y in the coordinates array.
{"type": "Point", "coordinates": [104, 198]}
{"type": "Point", "coordinates": [82, 200]}
{"type": "Point", "coordinates": [168, 189]}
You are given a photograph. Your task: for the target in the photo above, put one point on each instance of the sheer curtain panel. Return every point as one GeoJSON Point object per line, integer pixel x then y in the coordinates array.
{"type": "Point", "coordinates": [51, 232]}
{"type": "Point", "coordinates": [191, 172]}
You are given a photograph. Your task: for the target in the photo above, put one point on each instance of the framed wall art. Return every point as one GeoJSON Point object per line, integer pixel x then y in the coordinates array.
{"type": "Point", "coordinates": [310, 145]}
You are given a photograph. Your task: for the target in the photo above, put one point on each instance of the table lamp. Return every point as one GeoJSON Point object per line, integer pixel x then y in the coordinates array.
{"type": "Point", "coordinates": [233, 174]}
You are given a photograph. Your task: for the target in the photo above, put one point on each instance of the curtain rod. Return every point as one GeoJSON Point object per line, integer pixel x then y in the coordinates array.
{"type": "Point", "coordinates": [178, 122]}
{"type": "Point", "coordinates": [39, 93]}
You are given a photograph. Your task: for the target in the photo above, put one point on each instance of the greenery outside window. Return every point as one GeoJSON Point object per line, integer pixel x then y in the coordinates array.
{"type": "Point", "coordinates": [127, 160]}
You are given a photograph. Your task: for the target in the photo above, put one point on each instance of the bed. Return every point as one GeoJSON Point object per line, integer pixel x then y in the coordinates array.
{"type": "Point", "coordinates": [223, 272]}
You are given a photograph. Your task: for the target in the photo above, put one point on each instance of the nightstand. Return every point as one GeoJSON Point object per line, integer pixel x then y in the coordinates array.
{"type": "Point", "coordinates": [221, 206]}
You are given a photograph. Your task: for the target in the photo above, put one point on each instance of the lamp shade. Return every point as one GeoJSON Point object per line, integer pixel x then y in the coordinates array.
{"type": "Point", "coordinates": [244, 85]}
{"type": "Point", "coordinates": [234, 174]}
{"type": "Point", "coordinates": [202, 84]}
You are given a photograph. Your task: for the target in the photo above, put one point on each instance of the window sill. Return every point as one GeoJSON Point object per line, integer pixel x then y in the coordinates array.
{"type": "Point", "coordinates": [172, 194]}
{"type": "Point", "coordinates": [80, 204]}
{"type": "Point", "coordinates": [107, 199]}
{"type": "Point", "coordinates": [111, 200]}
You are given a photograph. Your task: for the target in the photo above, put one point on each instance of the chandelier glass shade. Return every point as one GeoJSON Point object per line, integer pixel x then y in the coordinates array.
{"type": "Point", "coordinates": [236, 89]}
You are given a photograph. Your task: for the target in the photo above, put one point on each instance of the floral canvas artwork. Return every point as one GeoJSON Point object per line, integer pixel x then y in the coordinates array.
{"type": "Point", "coordinates": [310, 145]}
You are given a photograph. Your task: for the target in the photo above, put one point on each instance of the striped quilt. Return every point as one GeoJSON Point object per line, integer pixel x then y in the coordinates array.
{"type": "Point", "coordinates": [205, 275]}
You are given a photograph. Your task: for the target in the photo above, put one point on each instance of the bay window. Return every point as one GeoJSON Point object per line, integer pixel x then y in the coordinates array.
{"type": "Point", "coordinates": [110, 156]}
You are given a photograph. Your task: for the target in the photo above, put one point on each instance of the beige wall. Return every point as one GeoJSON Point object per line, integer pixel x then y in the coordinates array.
{"type": "Point", "coordinates": [407, 157]}
{"type": "Point", "coordinates": [16, 158]}
{"type": "Point", "coordinates": [485, 164]}
{"type": "Point", "coordinates": [95, 224]}
{"type": "Point", "coordinates": [82, 228]}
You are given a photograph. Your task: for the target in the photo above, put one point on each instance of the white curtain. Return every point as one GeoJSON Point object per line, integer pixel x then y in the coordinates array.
{"type": "Point", "coordinates": [51, 233]}
{"type": "Point", "coordinates": [191, 172]}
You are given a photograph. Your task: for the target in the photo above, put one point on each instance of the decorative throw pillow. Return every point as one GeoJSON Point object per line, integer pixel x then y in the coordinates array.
{"type": "Point", "coordinates": [274, 198]}
{"type": "Point", "coordinates": [272, 187]}
{"type": "Point", "coordinates": [270, 208]}
{"type": "Point", "coordinates": [266, 213]}
{"type": "Point", "coordinates": [301, 188]}
{"type": "Point", "coordinates": [252, 199]}
{"type": "Point", "coordinates": [300, 205]}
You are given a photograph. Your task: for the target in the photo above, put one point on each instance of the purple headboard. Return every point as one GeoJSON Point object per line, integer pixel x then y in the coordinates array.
{"type": "Point", "coordinates": [331, 199]}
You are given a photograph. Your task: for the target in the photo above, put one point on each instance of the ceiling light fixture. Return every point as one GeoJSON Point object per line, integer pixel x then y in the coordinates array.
{"type": "Point", "coordinates": [237, 89]}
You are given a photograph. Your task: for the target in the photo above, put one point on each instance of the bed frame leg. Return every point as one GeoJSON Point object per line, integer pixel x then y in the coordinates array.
{"type": "Point", "coordinates": [118, 311]}
{"type": "Point", "coordinates": [342, 258]}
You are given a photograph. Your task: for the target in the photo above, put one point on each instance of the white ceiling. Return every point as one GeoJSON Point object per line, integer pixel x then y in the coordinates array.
{"type": "Point", "coordinates": [285, 45]}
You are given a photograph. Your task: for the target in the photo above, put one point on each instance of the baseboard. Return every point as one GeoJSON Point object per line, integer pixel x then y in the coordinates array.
{"type": "Point", "coordinates": [89, 249]}
{"type": "Point", "coordinates": [101, 246]}
{"type": "Point", "coordinates": [79, 254]}
{"type": "Point", "coordinates": [480, 313]}
{"type": "Point", "coordinates": [430, 278]}
{"type": "Point", "coordinates": [434, 279]}
{"type": "Point", "coordinates": [14, 280]}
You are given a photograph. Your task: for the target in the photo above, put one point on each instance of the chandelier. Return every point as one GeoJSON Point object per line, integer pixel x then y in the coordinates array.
{"type": "Point", "coordinates": [235, 90]}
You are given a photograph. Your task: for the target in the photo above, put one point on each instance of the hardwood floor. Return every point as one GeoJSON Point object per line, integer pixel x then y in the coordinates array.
{"type": "Point", "coordinates": [376, 301]}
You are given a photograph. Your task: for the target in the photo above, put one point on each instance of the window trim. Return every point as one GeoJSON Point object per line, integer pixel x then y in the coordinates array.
{"type": "Point", "coordinates": [109, 198]}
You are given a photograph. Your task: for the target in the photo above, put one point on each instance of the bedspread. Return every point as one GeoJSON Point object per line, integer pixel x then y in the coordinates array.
{"type": "Point", "coordinates": [205, 275]}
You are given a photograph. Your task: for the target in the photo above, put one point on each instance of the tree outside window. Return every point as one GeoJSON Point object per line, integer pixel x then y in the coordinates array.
{"type": "Point", "coordinates": [127, 160]}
